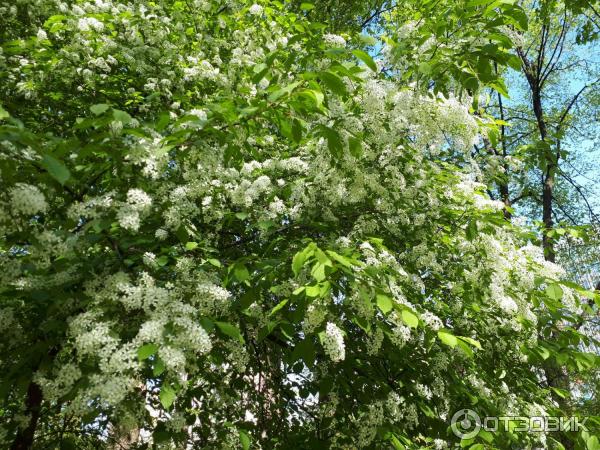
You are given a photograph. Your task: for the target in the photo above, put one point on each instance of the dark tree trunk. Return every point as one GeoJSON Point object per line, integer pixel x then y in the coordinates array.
{"type": "Point", "coordinates": [549, 253]}
{"type": "Point", "coordinates": [33, 403]}
{"type": "Point", "coordinates": [556, 375]}
{"type": "Point", "coordinates": [548, 177]}
{"type": "Point", "coordinates": [505, 197]}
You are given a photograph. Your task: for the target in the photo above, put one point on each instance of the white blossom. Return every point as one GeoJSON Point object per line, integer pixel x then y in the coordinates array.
{"type": "Point", "coordinates": [27, 199]}
{"type": "Point", "coordinates": [333, 342]}
{"type": "Point", "coordinates": [255, 10]}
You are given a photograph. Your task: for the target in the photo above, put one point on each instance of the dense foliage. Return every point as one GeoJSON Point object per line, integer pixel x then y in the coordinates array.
{"type": "Point", "coordinates": [223, 226]}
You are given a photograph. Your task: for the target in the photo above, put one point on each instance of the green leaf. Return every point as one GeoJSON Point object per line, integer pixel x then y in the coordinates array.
{"type": "Point", "coordinates": [339, 258]}
{"type": "Point", "coordinates": [159, 367]}
{"type": "Point", "coordinates": [122, 116]}
{"type": "Point", "coordinates": [464, 443]}
{"type": "Point", "coordinates": [230, 330]}
{"type": "Point", "coordinates": [474, 3]}
{"type": "Point", "coordinates": [304, 350]}
{"type": "Point", "coordinates": [362, 322]}
{"type": "Point", "coordinates": [333, 82]}
{"type": "Point", "coordinates": [259, 73]}
{"type": "Point", "coordinates": [593, 443]}
{"type": "Point", "coordinates": [366, 58]}
{"type": "Point", "coordinates": [162, 260]}
{"type": "Point", "coordinates": [278, 307]}
{"type": "Point", "coordinates": [207, 324]}
{"type": "Point", "coordinates": [334, 141]}
{"type": "Point", "coordinates": [298, 261]}
{"type": "Point", "coordinates": [385, 303]}
{"type": "Point", "coordinates": [306, 6]}
{"type": "Point", "coordinates": [519, 17]}
{"type": "Point", "coordinates": [471, 231]}
{"type": "Point", "coordinates": [163, 121]}
{"type": "Point", "coordinates": [286, 90]}
{"type": "Point", "coordinates": [313, 291]}
{"type": "Point", "coordinates": [312, 94]}
{"type": "Point", "coordinates": [191, 245]}
{"type": "Point", "coordinates": [410, 319]}
{"type": "Point", "coordinates": [471, 341]}
{"type": "Point", "coordinates": [322, 257]}
{"type": "Point", "coordinates": [562, 393]}
{"type": "Point", "coordinates": [296, 130]}
{"type": "Point", "coordinates": [396, 442]}
{"type": "Point", "coordinates": [500, 87]}
{"type": "Point", "coordinates": [244, 440]}
{"type": "Point", "coordinates": [447, 338]}
{"type": "Point", "coordinates": [214, 262]}
{"type": "Point", "coordinates": [299, 290]}
{"type": "Point", "coordinates": [465, 348]}
{"type": "Point", "coordinates": [425, 68]}
{"type": "Point", "coordinates": [318, 272]}
{"type": "Point", "coordinates": [554, 291]}
{"type": "Point", "coordinates": [56, 168]}
{"type": "Point", "coordinates": [355, 147]}
{"type": "Point", "coordinates": [300, 258]}
{"type": "Point", "coordinates": [99, 108]}
{"type": "Point", "coordinates": [3, 113]}
{"type": "Point", "coordinates": [146, 351]}
{"type": "Point", "coordinates": [167, 396]}
{"type": "Point", "coordinates": [266, 224]}
{"type": "Point", "coordinates": [241, 272]}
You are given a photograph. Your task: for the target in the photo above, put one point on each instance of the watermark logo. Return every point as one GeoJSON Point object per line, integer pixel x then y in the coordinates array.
{"type": "Point", "coordinates": [467, 424]}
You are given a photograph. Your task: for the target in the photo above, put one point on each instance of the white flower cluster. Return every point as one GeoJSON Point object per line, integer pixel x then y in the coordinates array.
{"type": "Point", "coordinates": [507, 304]}
{"type": "Point", "coordinates": [424, 391]}
{"type": "Point", "coordinates": [374, 344]}
{"type": "Point", "coordinates": [333, 342]}
{"type": "Point", "coordinates": [314, 317]}
{"type": "Point", "coordinates": [138, 203]}
{"type": "Point", "coordinates": [432, 321]}
{"type": "Point", "coordinates": [367, 422]}
{"type": "Point", "coordinates": [401, 334]}
{"type": "Point", "coordinates": [62, 383]}
{"type": "Point", "coordinates": [255, 10]}
{"type": "Point", "coordinates": [192, 336]}
{"type": "Point", "coordinates": [211, 299]}
{"type": "Point", "coordinates": [41, 35]}
{"type": "Point", "coordinates": [27, 199]}
{"type": "Point", "coordinates": [334, 40]}
{"type": "Point", "coordinates": [90, 23]}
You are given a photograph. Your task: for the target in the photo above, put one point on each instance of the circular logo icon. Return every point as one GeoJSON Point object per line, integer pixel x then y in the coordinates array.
{"type": "Point", "coordinates": [465, 424]}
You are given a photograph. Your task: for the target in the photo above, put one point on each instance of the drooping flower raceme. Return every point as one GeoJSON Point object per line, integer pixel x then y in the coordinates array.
{"type": "Point", "coordinates": [333, 342]}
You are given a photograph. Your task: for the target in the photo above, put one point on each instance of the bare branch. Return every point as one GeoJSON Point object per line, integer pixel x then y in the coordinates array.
{"type": "Point", "coordinates": [572, 102]}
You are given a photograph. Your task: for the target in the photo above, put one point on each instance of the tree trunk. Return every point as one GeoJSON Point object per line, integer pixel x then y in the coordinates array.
{"type": "Point", "coordinates": [548, 244]}
{"type": "Point", "coordinates": [33, 403]}
{"type": "Point", "coordinates": [548, 178]}
{"type": "Point", "coordinates": [556, 375]}
{"type": "Point", "coordinates": [505, 197]}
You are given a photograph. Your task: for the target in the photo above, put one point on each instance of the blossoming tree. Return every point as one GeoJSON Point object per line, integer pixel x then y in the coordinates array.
{"type": "Point", "coordinates": [223, 227]}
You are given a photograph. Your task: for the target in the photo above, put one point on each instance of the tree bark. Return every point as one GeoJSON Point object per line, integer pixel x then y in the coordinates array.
{"type": "Point", "coordinates": [503, 187]}
{"type": "Point", "coordinates": [33, 403]}
{"type": "Point", "coordinates": [548, 177]}
{"type": "Point", "coordinates": [556, 375]}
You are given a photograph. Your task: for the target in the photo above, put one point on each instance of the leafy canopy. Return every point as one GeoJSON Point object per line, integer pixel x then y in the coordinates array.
{"type": "Point", "coordinates": [223, 225]}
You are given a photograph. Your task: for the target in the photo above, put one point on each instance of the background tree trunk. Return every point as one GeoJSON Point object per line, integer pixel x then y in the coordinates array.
{"type": "Point", "coordinates": [33, 403]}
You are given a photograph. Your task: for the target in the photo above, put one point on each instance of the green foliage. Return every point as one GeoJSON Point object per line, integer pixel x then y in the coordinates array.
{"type": "Point", "coordinates": [222, 218]}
